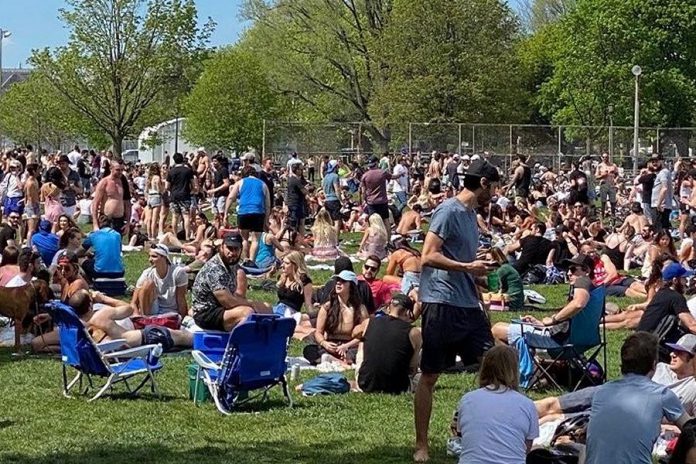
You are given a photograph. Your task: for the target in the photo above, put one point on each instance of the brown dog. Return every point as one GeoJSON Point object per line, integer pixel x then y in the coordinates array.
{"type": "Point", "coordinates": [18, 302]}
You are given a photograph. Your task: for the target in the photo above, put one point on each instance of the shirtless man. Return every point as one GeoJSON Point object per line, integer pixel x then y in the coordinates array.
{"type": "Point", "coordinates": [606, 173]}
{"type": "Point", "coordinates": [410, 220]}
{"type": "Point", "coordinates": [110, 199]}
{"type": "Point", "coordinates": [636, 219]}
{"type": "Point", "coordinates": [434, 169]}
{"type": "Point", "coordinates": [102, 324]}
{"type": "Point", "coordinates": [32, 210]}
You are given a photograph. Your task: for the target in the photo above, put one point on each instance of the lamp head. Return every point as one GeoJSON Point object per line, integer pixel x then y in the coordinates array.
{"type": "Point", "coordinates": [636, 70]}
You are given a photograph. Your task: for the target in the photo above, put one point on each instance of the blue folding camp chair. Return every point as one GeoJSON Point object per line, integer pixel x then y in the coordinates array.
{"type": "Point", "coordinates": [81, 352]}
{"type": "Point", "coordinates": [580, 352]}
{"type": "Point", "coordinates": [255, 359]}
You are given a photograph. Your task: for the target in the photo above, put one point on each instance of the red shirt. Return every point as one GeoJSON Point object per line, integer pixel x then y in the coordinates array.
{"type": "Point", "coordinates": [381, 292]}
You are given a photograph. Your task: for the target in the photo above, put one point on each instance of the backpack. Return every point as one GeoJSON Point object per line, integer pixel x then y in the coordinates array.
{"type": "Point", "coordinates": [326, 384]}
{"type": "Point", "coordinates": [554, 276]}
{"type": "Point", "coordinates": [535, 275]}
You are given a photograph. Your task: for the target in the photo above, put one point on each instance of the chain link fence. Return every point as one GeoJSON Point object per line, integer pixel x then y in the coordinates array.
{"type": "Point", "coordinates": [551, 146]}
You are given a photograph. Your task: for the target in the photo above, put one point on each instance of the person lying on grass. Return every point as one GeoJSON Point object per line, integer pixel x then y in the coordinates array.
{"type": "Point", "coordinates": [103, 325]}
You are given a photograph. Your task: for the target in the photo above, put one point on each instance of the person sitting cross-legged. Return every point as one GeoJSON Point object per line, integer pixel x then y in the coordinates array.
{"type": "Point", "coordinates": [162, 287]}
{"type": "Point", "coordinates": [558, 325]}
{"type": "Point", "coordinates": [389, 353]}
{"type": "Point", "coordinates": [107, 261]}
{"type": "Point", "coordinates": [216, 300]}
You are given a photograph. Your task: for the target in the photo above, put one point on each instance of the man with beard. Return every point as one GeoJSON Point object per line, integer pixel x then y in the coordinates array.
{"type": "Point", "coordinates": [669, 300]}
{"type": "Point", "coordinates": [216, 303]}
{"type": "Point", "coordinates": [453, 322]}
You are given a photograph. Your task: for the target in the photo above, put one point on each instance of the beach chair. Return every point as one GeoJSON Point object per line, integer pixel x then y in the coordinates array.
{"type": "Point", "coordinates": [580, 353]}
{"type": "Point", "coordinates": [254, 359]}
{"type": "Point", "coordinates": [107, 360]}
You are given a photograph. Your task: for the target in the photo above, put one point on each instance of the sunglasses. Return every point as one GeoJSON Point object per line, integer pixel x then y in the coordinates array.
{"type": "Point", "coordinates": [371, 268]}
{"type": "Point", "coordinates": [14, 217]}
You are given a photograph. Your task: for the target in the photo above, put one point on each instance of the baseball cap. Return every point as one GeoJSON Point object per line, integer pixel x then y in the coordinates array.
{"type": "Point", "coordinates": [482, 168]}
{"type": "Point", "coordinates": [64, 159]}
{"type": "Point", "coordinates": [580, 260]}
{"type": "Point", "coordinates": [687, 344]}
{"type": "Point", "coordinates": [475, 157]}
{"type": "Point", "coordinates": [347, 276]}
{"type": "Point", "coordinates": [233, 240]}
{"type": "Point", "coordinates": [675, 270]}
{"type": "Point", "coordinates": [45, 225]}
{"type": "Point", "coordinates": [465, 158]}
{"type": "Point", "coordinates": [201, 150]}
{"type": "Point", "coordinates": [403, 301]}
{"type": "Point", "coordinates": [655, 156]}
{"type": "Point", "coordinates": [162, 250]}
{"type": "Point", "coordinates": [372, 160]}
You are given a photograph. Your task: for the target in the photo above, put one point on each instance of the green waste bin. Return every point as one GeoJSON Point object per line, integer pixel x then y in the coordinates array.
{"type": "Point", "coordinates": [202, 395]}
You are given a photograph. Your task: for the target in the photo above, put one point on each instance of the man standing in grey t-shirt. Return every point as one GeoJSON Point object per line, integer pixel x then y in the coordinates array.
{"type": "Point", "coordinates": [453, 321]}
{"type": "Point", "coordinates": [662, 194]}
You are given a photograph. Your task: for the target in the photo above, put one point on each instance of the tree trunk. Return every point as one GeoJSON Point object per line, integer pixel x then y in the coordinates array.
{"type": "Point", "coordinates": [117, 145]}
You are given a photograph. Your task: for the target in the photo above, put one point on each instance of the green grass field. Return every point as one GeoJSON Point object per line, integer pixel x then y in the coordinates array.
{"type": "Point", "coordinates": [39, 425]}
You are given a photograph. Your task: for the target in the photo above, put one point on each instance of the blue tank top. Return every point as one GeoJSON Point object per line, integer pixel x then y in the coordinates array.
{"type": "Point", "coordinates": [264, 252]}
{"type": "Point", "coordinates": [251, 197]}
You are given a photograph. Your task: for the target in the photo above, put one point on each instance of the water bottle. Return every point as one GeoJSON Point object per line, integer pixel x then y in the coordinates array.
{"type": "Point", "coordinates": [294, 372]}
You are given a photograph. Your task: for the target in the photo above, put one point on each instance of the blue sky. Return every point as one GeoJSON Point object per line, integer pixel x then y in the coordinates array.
{"type": "Point", "coordinates": [35, 24]}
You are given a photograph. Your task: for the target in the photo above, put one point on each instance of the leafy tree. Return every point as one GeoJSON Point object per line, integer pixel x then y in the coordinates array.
{"type": "Point", "coordinates": [34, 112]}
{"type": "Point", "coordinates": [228, 104]}
{"type": "Point", "coordinates": [461, 65]}
{"type": "Point", "coordinates": [386, 62]}
{"type": "Point", "coordinates": [593, 49]}
{"type": "Point", "coordinates": [120, 59]}
{"type": "Point", "coordinates": [323, 56]}
{"type": "Point", "coordinates": [537, 14]}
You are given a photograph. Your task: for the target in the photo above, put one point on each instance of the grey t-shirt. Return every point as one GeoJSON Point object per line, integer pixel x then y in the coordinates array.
{"type": "Point", "coordinates": [664, 178]}
{"type": "Point", "coordinates": [456, 225]}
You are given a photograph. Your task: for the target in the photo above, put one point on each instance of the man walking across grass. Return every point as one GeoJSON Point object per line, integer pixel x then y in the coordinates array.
{"type": "Point", "coordinates": [453, 321]}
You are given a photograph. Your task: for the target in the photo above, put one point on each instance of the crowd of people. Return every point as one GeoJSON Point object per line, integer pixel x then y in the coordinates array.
{"type": "Point", "coordinates": [490, 232]}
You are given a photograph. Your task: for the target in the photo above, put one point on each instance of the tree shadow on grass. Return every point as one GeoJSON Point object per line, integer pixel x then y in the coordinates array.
{"type": "Point", "coordinates": [259, 452]}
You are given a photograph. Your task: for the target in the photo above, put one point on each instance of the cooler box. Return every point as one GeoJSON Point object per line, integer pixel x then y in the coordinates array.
{"type": "Point", "coordinates": [211, 343]}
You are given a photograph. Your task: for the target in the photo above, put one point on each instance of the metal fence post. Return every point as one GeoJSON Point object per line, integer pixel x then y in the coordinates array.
{"type": "Point", "coordinates": [473, 139]}
{"type": "Point", "coordinates": [560, 147]}
{"type": "Point", "coordinates": [657, 140]}
{"type": "Point", "coordinates": [410, 140]}
{"type": "Point", "coordinates": [263, 140]}
{"type": "Point", "coordinates": [459, 147]}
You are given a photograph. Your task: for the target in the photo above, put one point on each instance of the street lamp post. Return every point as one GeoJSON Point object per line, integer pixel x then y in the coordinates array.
{"type": "Point", "coordinates": [636, 71]}
{"type": "Point", "coordinates": [3, 35]}
{"type": "Point", "coordinates": [610, 111]}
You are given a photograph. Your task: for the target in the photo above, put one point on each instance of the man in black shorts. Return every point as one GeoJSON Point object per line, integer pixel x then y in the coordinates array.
{"type": "Point", "coordinates": [216, 304]}
{"type": "Point", "coordinates": [453, 321]}
{"type": "Point", "coordinates": [181, 182]}
{"type": "Point", "coordinates": [373, 190]}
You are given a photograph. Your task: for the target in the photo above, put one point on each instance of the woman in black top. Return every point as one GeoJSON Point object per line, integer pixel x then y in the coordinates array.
{"type": "Point", "coordinates": [294, 289]}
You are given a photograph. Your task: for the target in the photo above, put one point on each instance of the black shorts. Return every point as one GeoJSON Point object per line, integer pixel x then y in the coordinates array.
{"type": "Point", "coordinates": [210, 319]}
{"type": "Point", "coordinates": [449, 331]}
{"type": "Point", "coordinates": [252, 222]}
{"type": "Point", "coordinates": [181, 206]}
{"type": "Point", "coordinates": [382, 210]}
{"type": "Point", "coordinates": [153, 335]}
{"type": "Point", "coordinates": [333, 207]}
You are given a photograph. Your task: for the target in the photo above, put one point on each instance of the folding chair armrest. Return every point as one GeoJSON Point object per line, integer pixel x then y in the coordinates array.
{"type": "Point", "coordinates": [202, 360]}
{"type": "Point", "coordinates": [137, 352]}
{"type": "Point", "coordinates": [521, 322]}
{"type": "Point", "coordinates": [112, 345]}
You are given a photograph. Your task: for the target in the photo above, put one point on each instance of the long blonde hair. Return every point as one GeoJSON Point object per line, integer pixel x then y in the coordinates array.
{"type": "Point", "coordinates": [323, 229]}
{"type": "Point", "coordinates": [294, 281]}
{"type": "Point", "coordinates": [377, 226]}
